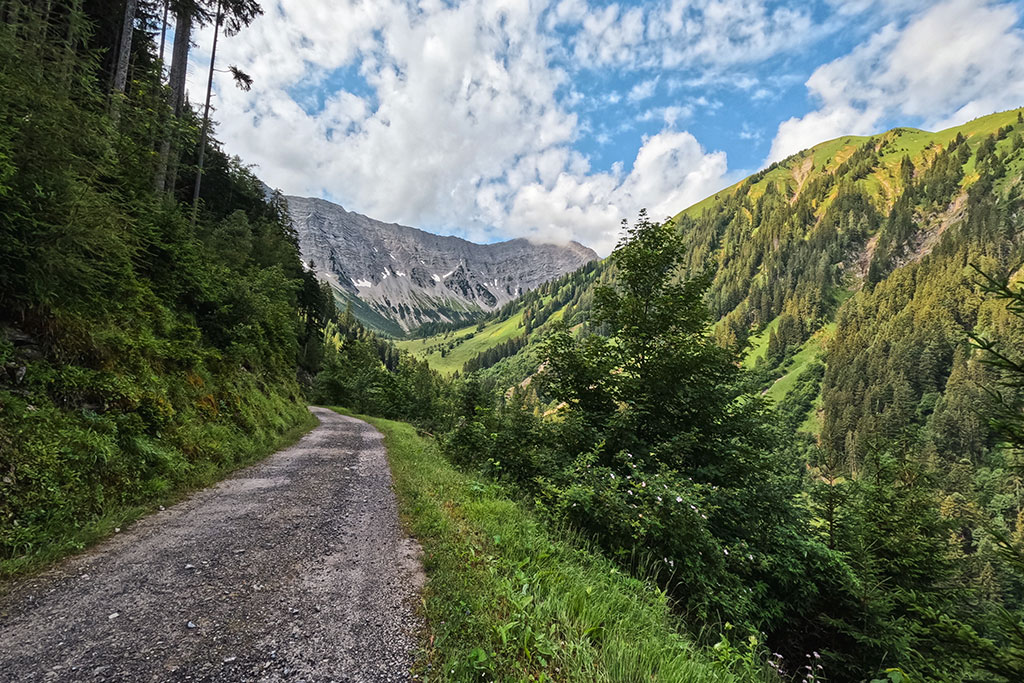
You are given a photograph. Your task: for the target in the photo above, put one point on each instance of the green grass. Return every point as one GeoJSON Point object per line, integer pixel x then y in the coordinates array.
{"type": "Point", "coordinates": [759, 345]}
{"type": "Point", "coordinates": [494, 333]}
{"type": "Point", "coordinates": [829, 154]}
{"type": "Point", "coordinates": [115, 515]}
{"type": "Point", "coordinates": [509, 600]}
{"type": "Point", "coordinates": [807, 353]}
{"type": "Point", "coordinates": [813, 423]}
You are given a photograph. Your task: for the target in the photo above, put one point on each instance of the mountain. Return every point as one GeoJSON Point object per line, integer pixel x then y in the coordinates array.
{"type": "Point", "coordinates": [846, 272]}
{"type": "Point", "coordinates": [398, 278]}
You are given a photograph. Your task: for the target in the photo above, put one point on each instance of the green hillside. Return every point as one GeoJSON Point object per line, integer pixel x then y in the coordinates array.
{"type": "Point", "coordinates": [149, 343]}
{"type": "Point", "coordinates": [846, 170]}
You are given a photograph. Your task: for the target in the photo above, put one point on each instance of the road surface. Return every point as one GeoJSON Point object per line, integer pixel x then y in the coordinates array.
{"type": "Point", "coordinates": [294, 569]}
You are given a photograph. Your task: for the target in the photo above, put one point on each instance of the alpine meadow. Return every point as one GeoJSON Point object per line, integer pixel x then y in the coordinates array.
{"type": "Point", "coordinates": [774, 433]}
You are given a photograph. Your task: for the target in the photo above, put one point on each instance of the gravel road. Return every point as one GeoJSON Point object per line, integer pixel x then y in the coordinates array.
{"type": "Point", "coordinates": [294, 569]}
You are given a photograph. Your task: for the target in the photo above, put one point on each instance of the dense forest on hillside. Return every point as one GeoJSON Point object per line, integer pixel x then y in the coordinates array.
{"type": "Point", "coordinates": [144, 347]}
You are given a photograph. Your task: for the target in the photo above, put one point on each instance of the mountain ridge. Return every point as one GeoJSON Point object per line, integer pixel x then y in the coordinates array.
{"type": "Point", "coordinates": [399, 277]}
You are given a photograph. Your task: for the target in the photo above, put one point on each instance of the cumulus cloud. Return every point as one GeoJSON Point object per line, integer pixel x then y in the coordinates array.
{"type": "Point", "coordinates": [949, 63]}
{"type": "Point", "coordinates": [670, 172]}
{"type": "Point", "coordinates": [451, 118]}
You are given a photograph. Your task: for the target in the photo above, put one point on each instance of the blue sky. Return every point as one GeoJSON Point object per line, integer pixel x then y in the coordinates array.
{"type": "Point", "coordinates": [555, 119]}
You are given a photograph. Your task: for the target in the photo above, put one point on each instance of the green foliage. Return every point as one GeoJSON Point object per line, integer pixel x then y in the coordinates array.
{"type": "Point", "coordinates": [368, 374]}
{"type": "Point", "coordinates": [141, 354]}
{"type": "Point", "coordinates": [509, 598]}
{"type": "Point", "coordinates": [657, 454]}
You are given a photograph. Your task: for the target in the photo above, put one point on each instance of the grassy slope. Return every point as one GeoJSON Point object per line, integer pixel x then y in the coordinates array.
{"type": "Point", "coordinates": [759, 345]}
{"type": "Point", "coordinates": [883, 181]}
{"type": "Point", "coordinates": [494, 333]}
{"type": "Point", "coordinates": [807, 353]}
{"type": "Point", "coordinates": [508, 600]}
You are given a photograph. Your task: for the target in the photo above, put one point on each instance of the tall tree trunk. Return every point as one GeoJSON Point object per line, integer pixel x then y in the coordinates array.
{"type": "Point", "coordinates": [167, 163]}
{"type": "Point", "coordinates": [163, 37]}
{"type": "Point", "coordinates": [123, 56]}
{"type": "Point", "coordinates": [206, 118]}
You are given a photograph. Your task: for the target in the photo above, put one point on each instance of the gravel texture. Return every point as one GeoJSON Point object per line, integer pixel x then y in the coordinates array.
{"type": "Point", "coordinates": [294, 569]}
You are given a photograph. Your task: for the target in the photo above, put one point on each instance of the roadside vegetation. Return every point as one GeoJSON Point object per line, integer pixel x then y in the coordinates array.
{"type": "Point", "coordinates": [147, 345]}
{"type": "Point", "coordinates": [510, 598]}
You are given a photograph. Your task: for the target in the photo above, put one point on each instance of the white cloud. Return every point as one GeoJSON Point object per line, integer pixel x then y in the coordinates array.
{"type": "Point", "coordinates": [462, 121]}
{"type": "Point", "coordinates": [671, 171]}
{"type": "Point", "coordinates": [671, 33]}
{"type": "Point", "coordinates": [643, 90]}
{"type": "Point", "coordinates": [952, 62]}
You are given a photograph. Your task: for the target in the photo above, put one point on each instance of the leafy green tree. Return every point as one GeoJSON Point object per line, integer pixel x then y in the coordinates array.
{"type": "Point", "coordinates": [674, 459]}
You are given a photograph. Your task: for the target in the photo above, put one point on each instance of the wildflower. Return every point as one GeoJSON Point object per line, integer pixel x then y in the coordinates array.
{"type": "Point", "coordinates": [776, 655]}
{"type": "Point", "coordinates": [817, 656]}
{"type": "Point", "coordinates": [630, 492]}
{"type": "Point", "coordinates": [612, 475]}
{"type": "Point", "coordinates": [750, 557]}
{"type": "Point", "coordinates": [659, 498]}
{"type": "Point", "coordinates": [725, 550]}
{"type": "Point", "coordinates": [643, 484]}
{"type": "Point", "coordinates": [704, 516]}
{"type": "Point", "coordinates": [679, 499]}
{"type": "Point", "coordinates": [693, 507]}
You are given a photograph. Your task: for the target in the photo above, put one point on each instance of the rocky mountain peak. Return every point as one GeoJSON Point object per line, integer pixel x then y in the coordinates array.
{"type": "Point", "coordinates": [398, 277]}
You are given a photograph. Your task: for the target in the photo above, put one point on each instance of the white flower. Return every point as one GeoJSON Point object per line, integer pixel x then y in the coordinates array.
{"type": "Point", "coordinates": [679, 499]}
{"type": "Point", "coordinates": [725, 550]}
{"type": "Point", "coordinates": [643, 484]}
{"type": "Point", "coordinates": [612, 475]}
{"type": "Point", "coordinates": [659, 498]}
{"type": "Point", "coordinates": [630, 492]}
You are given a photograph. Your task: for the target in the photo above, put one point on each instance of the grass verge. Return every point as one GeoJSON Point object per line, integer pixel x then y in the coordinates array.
{"type": "Point", "coordinates": [508, 600]}
{"type": "Point", "coordinates": [99, 527]}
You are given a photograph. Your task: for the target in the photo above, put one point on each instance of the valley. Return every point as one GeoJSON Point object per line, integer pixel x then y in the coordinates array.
{"type": "Point", "coordinates": [776, 437]}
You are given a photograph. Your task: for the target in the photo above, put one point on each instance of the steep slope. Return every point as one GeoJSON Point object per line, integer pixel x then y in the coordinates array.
{"type": "Point", "coordinates": [399, 278]}
{"type": "Point", "coordinates": [824, 232]}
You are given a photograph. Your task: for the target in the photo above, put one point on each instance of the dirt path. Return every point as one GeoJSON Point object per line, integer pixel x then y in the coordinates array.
{"type": "Point", "coordinates": [294, 569]}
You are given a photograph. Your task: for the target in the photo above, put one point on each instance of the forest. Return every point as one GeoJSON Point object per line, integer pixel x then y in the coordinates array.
{"type": "Point", "coordinates": [149, 342]}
